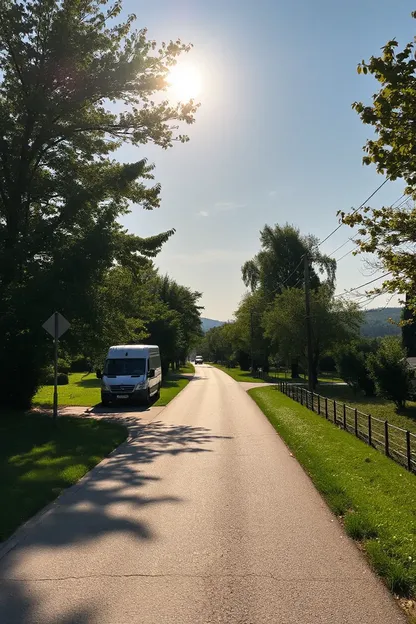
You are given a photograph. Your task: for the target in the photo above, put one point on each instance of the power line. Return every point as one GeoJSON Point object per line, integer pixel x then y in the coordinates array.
{"type": "Point", "coordinates": [352, 239]}
{"type": "Point", "coordinates": [294, 271]}
{"type": "Point", "coordinates": [356, 210]}
{"type": "Point", "coordinates": [363, 285]}
{"type": "Point", "coordinates": [351, 250]}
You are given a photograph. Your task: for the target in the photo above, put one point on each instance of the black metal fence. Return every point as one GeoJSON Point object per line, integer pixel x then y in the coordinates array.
{"type": "Point", "coordinates": [395, 442]}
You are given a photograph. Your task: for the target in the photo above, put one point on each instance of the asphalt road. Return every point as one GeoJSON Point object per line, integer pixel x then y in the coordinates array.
{"type": "Point", "coordinates": [203, 517]}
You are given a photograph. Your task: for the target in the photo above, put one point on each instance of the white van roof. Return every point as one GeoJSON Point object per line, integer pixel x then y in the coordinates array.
{"type": "Point", "coordinates": [131, 350]}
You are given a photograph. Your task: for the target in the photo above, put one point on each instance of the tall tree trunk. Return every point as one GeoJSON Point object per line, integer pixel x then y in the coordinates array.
{"type": "Point", "coordinates": [295, 369]}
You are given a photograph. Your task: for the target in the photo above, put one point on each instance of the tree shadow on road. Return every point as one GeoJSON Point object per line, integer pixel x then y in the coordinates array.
{"type": "Point", "coordinates": [107, 501]}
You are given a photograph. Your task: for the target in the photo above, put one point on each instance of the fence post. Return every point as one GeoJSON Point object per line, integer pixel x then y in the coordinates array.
{"type": "Point", "coordinates": [335, 412]}
{"type": "Point", "coordinates": [386, 437]}
{"type": "Point", "coordinates": [356, 422]}
{"type": "Point", "coordinates": [409, 451]}
{"type": "Point", "coordinates": [301, 396]}
{"type": "Point", "coordinates": [369, 429]}
{"type": "Point", "coordinates": [326, 408]}
{"type": "Point", "coordinates": [313, 404]}
{"type": "Point", "coordinates": [319, 404]}
{"type": "Point", "coordinates": [344, 416]}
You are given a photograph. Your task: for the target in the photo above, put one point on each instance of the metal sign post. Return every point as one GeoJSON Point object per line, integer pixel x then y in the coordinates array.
{"type": "Point", "coordinates": [56, 326]}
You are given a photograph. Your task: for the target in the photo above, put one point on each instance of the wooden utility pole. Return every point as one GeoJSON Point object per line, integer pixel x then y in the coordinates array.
{"type": "Point", "coordinates": [311, 381]}
{"type": "Point", "coordinates": [251, 341]}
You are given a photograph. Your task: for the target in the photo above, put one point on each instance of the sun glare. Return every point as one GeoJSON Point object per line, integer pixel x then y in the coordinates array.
{"type": "Point", "coordinates": [185, 82]}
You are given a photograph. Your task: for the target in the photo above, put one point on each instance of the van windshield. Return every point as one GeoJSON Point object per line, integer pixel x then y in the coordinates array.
{"type": "Point", "coordinates": [125, 366]}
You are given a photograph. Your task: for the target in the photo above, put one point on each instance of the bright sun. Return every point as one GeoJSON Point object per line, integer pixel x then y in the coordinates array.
{"type": "Point", "coordinates": [185, 82]}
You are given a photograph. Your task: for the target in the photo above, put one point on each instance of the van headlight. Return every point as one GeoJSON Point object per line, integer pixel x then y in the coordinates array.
{"type": "Point", "coordinates": [140, 386]}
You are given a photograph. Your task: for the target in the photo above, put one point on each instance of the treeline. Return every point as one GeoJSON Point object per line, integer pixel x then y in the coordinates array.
{"type": "Point", "coordinates": [62, 192]}
{"type": "Point", "coordinates": [269, 329]}
{"type": "Point", "coordinates": [136, 307]}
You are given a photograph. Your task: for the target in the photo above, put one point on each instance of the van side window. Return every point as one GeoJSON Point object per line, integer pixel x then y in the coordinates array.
{"type": "Point", "coordinates": [154, 361]}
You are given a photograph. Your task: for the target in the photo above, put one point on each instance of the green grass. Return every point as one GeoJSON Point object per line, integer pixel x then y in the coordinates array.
{"type": "Point", "coordinates": [375, 496]}
{"type": "Point", "coordinates": [171, 387]}
{"type": "Point", "coordinates": [39, 459]}
{"type": "Point", "coordinates": [189, 368]}
{"type": "Point", "coordinates": [376, 406]}
{"type": "Point", "coordinates": [81, 390]}
{"type": "Point", "coordinates": [240, 375]}
{"type": "Point", "coordinates": [85, 390]}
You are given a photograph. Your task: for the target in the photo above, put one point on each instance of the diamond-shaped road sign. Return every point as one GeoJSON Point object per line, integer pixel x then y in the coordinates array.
{"type": "Point", "coordinates": [63, 325]}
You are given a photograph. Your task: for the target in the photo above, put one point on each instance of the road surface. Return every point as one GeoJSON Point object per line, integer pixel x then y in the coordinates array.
{"type": "Point", "coordinates": [203, 517]}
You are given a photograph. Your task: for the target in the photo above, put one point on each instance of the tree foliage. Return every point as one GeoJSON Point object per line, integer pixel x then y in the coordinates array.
{"type": "Point", "coordinates": [75, 85]}
{"type": "Point", "coordinates": [333, 322]}
{"type": "Point", "coordinates": [391, 232]}
{"type": "Point", "coordinates": [389, 371]}
{"type": "Point", "coordinates": [351, 359]}
{"type": "Point", "coordinates": [279, 263]}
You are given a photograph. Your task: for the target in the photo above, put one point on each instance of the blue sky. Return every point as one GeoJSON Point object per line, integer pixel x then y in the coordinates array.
{"type": "Point", "coordinates": [275, 139]}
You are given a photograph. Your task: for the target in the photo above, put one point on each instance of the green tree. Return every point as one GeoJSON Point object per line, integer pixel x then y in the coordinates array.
{"type": "Point", "coordinates": [179, 329]}
{"type": "Point", "coordinates": [333, 322]}
{"type": "Point", "coordinates": [251, 346]}
{"type": "Point", "coordinates": [389, 371]}
{"type": "Point", "coordinates": [409, 329]}
{"type": "Point", "coordinates": [279, 263]}
{"type": "Point", "coordinates": [391, 232]}
{"type": "Point", "coordinates": [351, 359]}
{"type": "Point", "coordinates": [218, 344]}
{"type": "Point", "coordinates": [75, 85]}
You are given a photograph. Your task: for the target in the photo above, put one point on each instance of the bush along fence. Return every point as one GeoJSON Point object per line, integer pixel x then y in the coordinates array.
{"type": "Point", "coordinates": [398, 444]}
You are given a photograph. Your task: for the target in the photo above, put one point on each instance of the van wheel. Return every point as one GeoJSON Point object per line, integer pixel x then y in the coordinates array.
{"type": "Point", "coordinates": [148, 399]}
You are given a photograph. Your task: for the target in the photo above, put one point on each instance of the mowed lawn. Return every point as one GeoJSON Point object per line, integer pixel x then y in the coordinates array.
{"type": "Point", "coordinates": [84, 390]}
{"type": "Point", "coordinates": [376, 406]}
{"type": "Point", "coordinates": [39, 459]}
{"type": "Point", "coordinates": [375, 497]}
{"type": "Point", "coordinates": [239, 375]}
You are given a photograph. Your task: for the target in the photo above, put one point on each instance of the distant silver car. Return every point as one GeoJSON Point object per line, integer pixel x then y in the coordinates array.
{"type": "Point", "coordinates": [199, 359]}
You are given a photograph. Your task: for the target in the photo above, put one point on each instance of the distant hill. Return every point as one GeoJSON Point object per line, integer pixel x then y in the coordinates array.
{"type": "Point", "coordinates": [376, 322]}
{"type": "Point", "coordinates": [208, 324]}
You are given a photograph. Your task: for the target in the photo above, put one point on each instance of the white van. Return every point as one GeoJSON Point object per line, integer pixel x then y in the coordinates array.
{"type": "Point", "coordinates": [131, 372]}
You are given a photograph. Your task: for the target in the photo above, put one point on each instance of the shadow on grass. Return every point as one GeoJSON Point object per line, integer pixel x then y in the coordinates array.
{"type": "Point", "coordinates": [85, 514]}
{"type": "Point", "coordinates": [88, 383]}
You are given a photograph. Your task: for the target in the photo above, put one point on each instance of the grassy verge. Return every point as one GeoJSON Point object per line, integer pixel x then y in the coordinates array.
{"type": "Point", "coordinates": [84, 390]}
{"type": "Point", "coordinates": [240, 375]}
{"type": "Point", "coordinates": [38, 460]}
{"type": "Point", "coordinates": [173, 384]}
{"type": "Point", "coordinates": [376, 406]}
{"type": "Point", "coordinates": [375, 497]}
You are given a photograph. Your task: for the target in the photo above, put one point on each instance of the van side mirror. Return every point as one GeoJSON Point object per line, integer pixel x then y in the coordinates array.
{"type": "Point", "coordinates": [98, 374]}
{"type": "Point", "coordinates": [151, 373]}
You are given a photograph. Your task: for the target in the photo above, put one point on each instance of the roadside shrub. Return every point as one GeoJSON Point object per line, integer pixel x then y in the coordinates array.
{"type": "Point", "coordinates": [46, 374]}
{"type": "Point", "coordinates": [47, 377]}
{"type": "Point", "coordinates": [327, 364]}
{"type": "Point", "coordinates": [63, 379]}
{"type": "Point", "coordinates": [352, 366]}
{"type": "Point", "coordinates": [80, 364]}
{"type": "Point", "coordinates": [63, 366]}
{"type": "Point", "coordinates": [389, 370]}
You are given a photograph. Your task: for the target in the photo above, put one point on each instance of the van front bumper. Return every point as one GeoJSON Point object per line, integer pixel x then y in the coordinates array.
{"type": "Point", "coordinates": [138, 396]}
